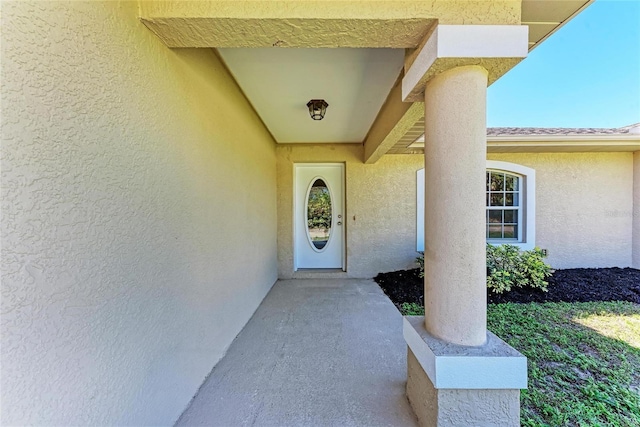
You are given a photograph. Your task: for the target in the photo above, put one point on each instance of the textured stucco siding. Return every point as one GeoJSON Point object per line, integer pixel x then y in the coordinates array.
{"type": "Point", "coordinates": [447, 407]}
{"type": "Point", "coordinates": [636, 209]}
{"type": "Point", "coordinates": [138, 216]}
{"type": "Point", "coordinates": [584, 206]}
{"type": "Point", "coordinates": [315, 23]}
{"type": "Point", "coordinates": [380, 216]}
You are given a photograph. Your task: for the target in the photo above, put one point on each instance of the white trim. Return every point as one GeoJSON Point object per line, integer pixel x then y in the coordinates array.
{"type": "Point", "coordinates": [482, 41]}
{"type": "Point", "coordinates": [420, 349]}
{"type": "Point", "coordinates": [541, 23]}
{"type": "Point", "coordinates": [420, 210]}
{"type": "Point", "coordinates": [467, 41]}
{"type": "Point", "coordinates": [519, 208]}
{"type": "Point", "coordinates": [495, 365]}
{"type": "Point", "coordinates": [421, 64]}
{"type": "Point", "coordinates": [528, 206]}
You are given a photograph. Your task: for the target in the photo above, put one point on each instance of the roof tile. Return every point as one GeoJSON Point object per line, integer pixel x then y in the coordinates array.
{"type": "Point", "coordinates": [503, 131]}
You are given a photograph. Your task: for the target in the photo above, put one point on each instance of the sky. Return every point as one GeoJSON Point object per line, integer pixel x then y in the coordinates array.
{"type": "Point", "coordinates": [587, 74]}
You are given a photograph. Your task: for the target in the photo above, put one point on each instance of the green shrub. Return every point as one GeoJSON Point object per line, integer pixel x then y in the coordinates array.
{"type": "Point", "coordinates": [508, 267]}
{"type": "Point", "coordinates": [411, 309]}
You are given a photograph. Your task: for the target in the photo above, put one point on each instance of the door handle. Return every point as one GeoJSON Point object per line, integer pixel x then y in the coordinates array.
{"type": "Point", "coordinates": [339, 222]}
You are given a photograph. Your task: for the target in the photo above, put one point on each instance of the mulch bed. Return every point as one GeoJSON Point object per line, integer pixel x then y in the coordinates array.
{"type": "Point", "coordinates": [570, 285]}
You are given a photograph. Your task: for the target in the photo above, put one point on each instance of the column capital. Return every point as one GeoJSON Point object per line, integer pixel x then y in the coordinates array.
{"type": "Point", "coordinates": [498, 48]}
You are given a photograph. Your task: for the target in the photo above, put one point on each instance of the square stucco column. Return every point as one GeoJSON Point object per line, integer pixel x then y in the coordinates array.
{"type": "Point", "coordinates": [458, 373]}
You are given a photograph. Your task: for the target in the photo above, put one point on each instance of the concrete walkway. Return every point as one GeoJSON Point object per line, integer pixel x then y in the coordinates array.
{"type": "Point", "coordinates": [315, 353]}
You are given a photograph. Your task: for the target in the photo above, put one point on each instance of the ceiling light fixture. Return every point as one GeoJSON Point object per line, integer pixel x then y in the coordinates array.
{"type": "Point", "coordinates": [317, 108]}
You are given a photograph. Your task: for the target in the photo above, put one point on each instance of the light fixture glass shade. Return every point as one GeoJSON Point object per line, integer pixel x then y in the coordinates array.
{"type": "Point", "coordinates": [317, 108]}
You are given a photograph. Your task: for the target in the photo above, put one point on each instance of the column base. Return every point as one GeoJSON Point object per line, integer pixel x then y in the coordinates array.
{"type": "Point", "coordinates": [452, 385]}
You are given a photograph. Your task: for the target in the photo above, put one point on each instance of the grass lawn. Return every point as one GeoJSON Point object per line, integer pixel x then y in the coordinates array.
{"type": "Point", "coordinates": [584, 360]}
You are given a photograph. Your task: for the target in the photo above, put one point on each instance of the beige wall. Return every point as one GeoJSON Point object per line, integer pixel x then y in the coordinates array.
{"type": "Point", "coordinates": [380, 207]}
{"type": "Point", "coordinates": [583, 206]}
{"type": "Point", "coordinates": [636, 209]}
{"type": "Point", "coordinates": [132, 248]}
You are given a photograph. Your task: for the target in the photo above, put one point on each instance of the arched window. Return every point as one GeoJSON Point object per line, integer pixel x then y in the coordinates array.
{"type": "Point", "coordinates": [510, 209]}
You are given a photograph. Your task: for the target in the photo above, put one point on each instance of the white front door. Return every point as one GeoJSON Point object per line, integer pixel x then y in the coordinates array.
{"type": "Point", "coordinates": [319, 215]}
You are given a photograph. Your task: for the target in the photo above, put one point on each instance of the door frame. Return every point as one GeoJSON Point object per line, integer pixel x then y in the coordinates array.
{"type": "Point", "coordinates": [299, 204]}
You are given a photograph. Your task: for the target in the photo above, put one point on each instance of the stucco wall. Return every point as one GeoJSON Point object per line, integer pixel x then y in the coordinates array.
{"type": "Point", "coordinates": [636, 209]}
{"type": "Point", "coordinates": [583, 206]}
{"type": "Point", "coordinates": [380, 214]}
{"type": "Point", "coordinates": [138, 216]}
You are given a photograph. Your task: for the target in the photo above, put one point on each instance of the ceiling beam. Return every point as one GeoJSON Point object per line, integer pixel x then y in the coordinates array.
{"type": "Point", "coordinates": [392, 123]}
{"type": "Point", "coordinates": [289, 32]}
{"type": "Point", "coordinates": [497, 48]}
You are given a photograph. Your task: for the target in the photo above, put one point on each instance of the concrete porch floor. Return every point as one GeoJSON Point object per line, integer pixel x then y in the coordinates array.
{"type": "Point", "coordinates": [316, 352]}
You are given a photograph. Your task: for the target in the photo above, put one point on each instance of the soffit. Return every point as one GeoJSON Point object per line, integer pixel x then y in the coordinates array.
{"type": "Point", "coordinates": [561, 140]}
{"type": "Point", "coordinates": [540, 140]}
{"type": "Point", "coordinates": [559, 145]}
{"type": "Point", "coordinates": [544, 17]}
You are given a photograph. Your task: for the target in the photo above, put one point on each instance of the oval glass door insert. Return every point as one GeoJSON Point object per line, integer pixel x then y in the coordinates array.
{"type": "Point", "coordinates": [319, 215]}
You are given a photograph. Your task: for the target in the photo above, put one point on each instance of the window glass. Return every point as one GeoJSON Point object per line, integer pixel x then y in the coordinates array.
{"type": "Point", "coordinates": [510, 216]}
{"type": "Point", "coordinates": [319, 214]}
{"type": "Point", "coordinates": [497, 181]}
{"type": "Point", "coordinates": [503, 206]}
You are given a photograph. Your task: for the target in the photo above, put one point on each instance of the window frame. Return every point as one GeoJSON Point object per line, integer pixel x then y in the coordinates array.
{"type": "Point", "coordinates": [527, 211]}
{"type": "Point", "coordinates": [519, 208]}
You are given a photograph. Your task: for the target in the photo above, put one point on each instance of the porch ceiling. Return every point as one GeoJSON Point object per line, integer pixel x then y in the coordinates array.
{"type": "Point", "coordinates": [358, 83]}
{"type": "Point", "coordinates": [280, 82]}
